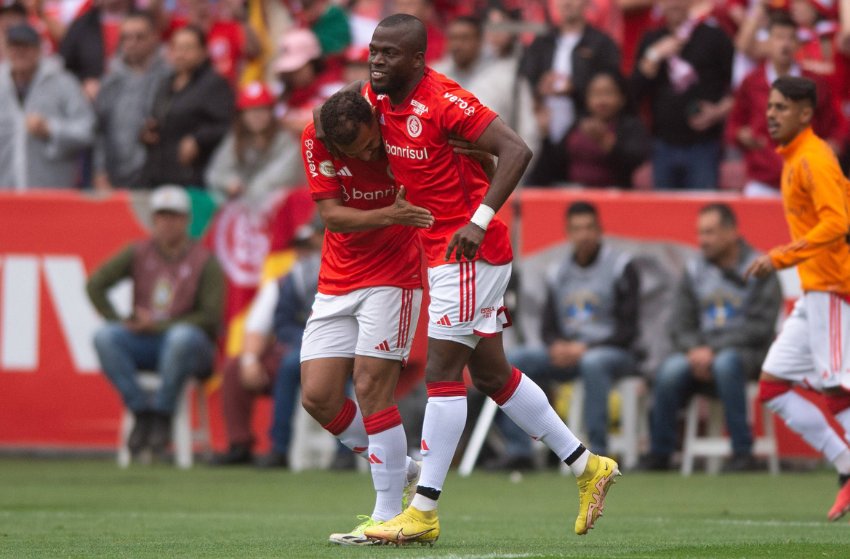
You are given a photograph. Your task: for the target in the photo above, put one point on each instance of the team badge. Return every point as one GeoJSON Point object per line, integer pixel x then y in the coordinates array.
{"type": "Point", "coordinates": [414, 126]}
{"type": "Point", "coordinates": [327, 168]}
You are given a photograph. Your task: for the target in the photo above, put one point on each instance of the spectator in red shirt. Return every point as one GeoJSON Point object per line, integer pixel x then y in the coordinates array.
{"type": "Point", "coordinates": [747, 127]}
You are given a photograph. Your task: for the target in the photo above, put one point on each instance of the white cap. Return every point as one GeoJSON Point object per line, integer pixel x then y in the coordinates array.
{"type": "Point", "coordinates": [170, 198]}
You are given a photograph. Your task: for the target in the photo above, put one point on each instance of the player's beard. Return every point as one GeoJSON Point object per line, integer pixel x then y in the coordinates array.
{"type": "Point", "coordinates": [390, 86]}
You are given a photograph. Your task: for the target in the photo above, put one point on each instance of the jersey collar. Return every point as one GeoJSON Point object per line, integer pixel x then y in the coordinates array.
{"type": "Point", "coordinates": [787, 151]}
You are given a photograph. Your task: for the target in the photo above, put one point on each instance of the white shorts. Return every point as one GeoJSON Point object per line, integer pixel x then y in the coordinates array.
{"type": "Point", "coordinates": [467, 301]}
{"type": "Point", "coordinates": [373, 322]}
{"type": "Point", "coordinates": [813, 347]}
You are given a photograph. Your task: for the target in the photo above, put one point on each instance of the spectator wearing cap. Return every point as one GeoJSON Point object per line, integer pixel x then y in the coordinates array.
{"type": "Point", "coordinates": [307, 81]}
{"type": "Point", "coordinates": [125, 99]}
{"type": "Point", "coordinates": [178, 289]}
{"type": "Point", "coordinates": [191, 114]}
{"type": "Point", "coordinates": [45, 121]}
{"type": "Point", "coordinates": [10, 15]}
{"type": "Point", "coordinates": [257, 157]}
{"type": "Point", "coordinates": [91, 41]}
{"type": "Point", "coordinates": [270, 361]}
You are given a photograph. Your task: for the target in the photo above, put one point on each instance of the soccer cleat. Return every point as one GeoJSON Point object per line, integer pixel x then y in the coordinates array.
{"type": "Point", "coordinates": [593, 485]}
{"type": "Point", "coordinates": [411, 526]}
{"type": "Point", "coordinates": [842, 502]}
{"type": "Point", "coordinates": [410, 486]}
{"type": "Point", "coordinates": [355, 536]}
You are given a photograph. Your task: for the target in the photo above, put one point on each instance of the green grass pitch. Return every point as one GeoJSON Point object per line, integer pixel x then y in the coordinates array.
{"type": "Point", "coordinates": [87, 508]}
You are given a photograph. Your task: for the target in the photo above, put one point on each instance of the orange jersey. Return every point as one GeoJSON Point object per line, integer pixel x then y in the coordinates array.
{"type": "Point", "coordinates": [816, 197]}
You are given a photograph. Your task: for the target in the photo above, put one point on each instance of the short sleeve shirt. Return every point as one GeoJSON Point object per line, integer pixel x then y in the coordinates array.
{"type": "Point", "coordinates": [449, 185]}
{"type": "Point", "coordinates": [389, 256]}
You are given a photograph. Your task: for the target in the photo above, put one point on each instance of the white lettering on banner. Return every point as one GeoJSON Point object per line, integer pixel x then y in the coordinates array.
{"type": "Point", "coordinates": [468, 110]}
{"type": "Point", "coordinates": [65, 277]}
{"type": "Point", "coordinates": [406, 152]}
{"type": "Point", "coordinates": [19, 326]}
{"type": "Point", "coordinates": [66, 281]}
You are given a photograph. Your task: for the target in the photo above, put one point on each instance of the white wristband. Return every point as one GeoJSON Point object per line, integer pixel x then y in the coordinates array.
{"type": "Point", "coordinates": [482, 216]}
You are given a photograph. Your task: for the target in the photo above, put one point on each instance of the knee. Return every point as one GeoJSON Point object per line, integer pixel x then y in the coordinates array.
{"type": "Point", "coordinates": [596, 362]}
{"type": "Point", "coordinates": [673, 370]}
{"type": "Point", "coordinates": [107, 335]}
{"type": "Point", "coordinates": [728, 365]}
{"type": "Point", "coordinates": [182, 337]}
{"type": "Point", "coordinates": [491, 382]}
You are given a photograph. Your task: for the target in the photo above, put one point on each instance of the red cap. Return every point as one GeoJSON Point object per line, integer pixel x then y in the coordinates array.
{"type": "Point", "coordinates": [253, 95]}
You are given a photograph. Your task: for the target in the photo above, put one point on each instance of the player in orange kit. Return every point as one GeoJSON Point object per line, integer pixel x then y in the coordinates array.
{"type": "Point", "coordinates": [813, 349]}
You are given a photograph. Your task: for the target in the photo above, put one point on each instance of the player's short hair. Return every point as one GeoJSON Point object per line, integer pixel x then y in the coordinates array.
{"type": "Point", "coordinates": [582, 207]}
{"type": "Point", "coordinates": [797, 89]}
{"type": "Point", "coordinates": [472, 21]}
{"type": "Point", "coordinates": [416, 37]}
{"type": "Point", "coordinates": [781, 19]}
{"type": "Point", "coordinates": [725, 211]}
{"type": "Point", "coordinates": [342, 115]}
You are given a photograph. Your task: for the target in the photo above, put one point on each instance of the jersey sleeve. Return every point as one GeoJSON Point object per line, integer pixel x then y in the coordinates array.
{"type": "Point", "coordinates": [319, 167]}
{"type": "Point", "coordinates": [823, 180]}
{"type": "Point", "coordinates": [464, 115]}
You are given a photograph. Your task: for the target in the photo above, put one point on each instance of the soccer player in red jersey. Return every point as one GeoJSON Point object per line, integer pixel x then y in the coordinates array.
{"type": "Point", "coordinates": [469, 255]}
{"type": "Point", "coordinates": [365, 313]}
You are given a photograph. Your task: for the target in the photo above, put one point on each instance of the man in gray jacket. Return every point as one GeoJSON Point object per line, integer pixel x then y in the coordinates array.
{"type": "Point", "coordinates": [125, 99]}
{"type": "Point", "coordinates": [721, 327]}
{"type": "Point", "coordinates": [45, 121]}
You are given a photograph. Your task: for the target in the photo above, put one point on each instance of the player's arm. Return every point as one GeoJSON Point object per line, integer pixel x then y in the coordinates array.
{"type": "Point", "coordinates": [824, 182]}
{"type": "Point", "coordinates": [344, 219]}
{"type": "Point", "coordinates": [513, 158]}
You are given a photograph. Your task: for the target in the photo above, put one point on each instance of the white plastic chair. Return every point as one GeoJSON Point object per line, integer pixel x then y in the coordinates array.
{"type": "Point", "coordinates": [183, 435]}
{"type": "Point", "coordinates": [715, 444]}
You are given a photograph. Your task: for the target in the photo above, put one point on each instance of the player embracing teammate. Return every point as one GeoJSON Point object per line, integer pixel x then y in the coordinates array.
{"type": "Point", "coordinates": [468, 254]}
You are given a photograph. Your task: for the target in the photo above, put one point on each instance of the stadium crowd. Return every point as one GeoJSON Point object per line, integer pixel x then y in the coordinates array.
{"type": "Point", "coordinates": [212, 97]}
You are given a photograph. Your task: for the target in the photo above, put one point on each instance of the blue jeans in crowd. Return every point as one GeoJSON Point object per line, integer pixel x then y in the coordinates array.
{"type": "Point", "coordinates": [285, 391]}
{"type": "Point", "coordinates": [181, 351]}
{"type": "Point", "coordinates": [675, 383]}
{"type": "Point", "coordinates": [598, 368]}
{"type": "Point", "coordinates": [693, 167]}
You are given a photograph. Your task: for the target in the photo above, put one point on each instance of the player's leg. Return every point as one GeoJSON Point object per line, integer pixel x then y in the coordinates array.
{"type": "Point", "coordinates": [327, 361]}
{"type": "Point", "coordinates": [527, 405]}
{"type": "Point", "coordinates": [791, 361]}
{"type": "Point", "coordinates": [387, 318]}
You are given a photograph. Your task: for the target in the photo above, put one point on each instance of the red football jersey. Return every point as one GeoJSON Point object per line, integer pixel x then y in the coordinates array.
{"type": "Point", "coordinates": [449, 185]}
{"type": "Point", "coordinates": [389, 256]}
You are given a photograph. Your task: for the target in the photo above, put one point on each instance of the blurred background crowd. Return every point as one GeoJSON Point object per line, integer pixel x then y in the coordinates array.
{"type": "Point", "coordinates": [211, 96]}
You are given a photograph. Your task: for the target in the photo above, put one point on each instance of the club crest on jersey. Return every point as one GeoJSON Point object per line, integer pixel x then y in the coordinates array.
{"type": "Point", "coordinates": [418, 107]}
{"type": "Point", "coordinates": [327, 168]}
{"type": "Point", "coordinates": [414, 126]}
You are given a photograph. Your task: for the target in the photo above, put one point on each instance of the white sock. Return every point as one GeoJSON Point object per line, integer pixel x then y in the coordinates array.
{"type": "Point", "coordinates": [526, 404]}
{"type": "Point", "coordinates": [445, 418]}
{"type": "Point", "coordinates": [348, 427]}
{"type": "Point", "coordinates": [580, 463]}
{"type": "Point", "coordinates": [806, 419]}
{"type": "Point", "coordinates": [387, 461]}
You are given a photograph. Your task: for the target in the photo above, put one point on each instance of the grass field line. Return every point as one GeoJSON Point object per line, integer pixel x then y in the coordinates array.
{"type": "Point", "coordinates": [772, 523]}
{"type": "Point", "coordinates": [182, 515]}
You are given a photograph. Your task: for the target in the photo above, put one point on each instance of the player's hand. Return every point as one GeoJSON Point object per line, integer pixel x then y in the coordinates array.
{"type": "Point", "coordinates": [465, 242]}
{"type": "Point", "coordinates": [761, 267]}
{"type": "Point", "coordinates": [488, 162]}
{"type": "Point", "coordinates": [403, 212]}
